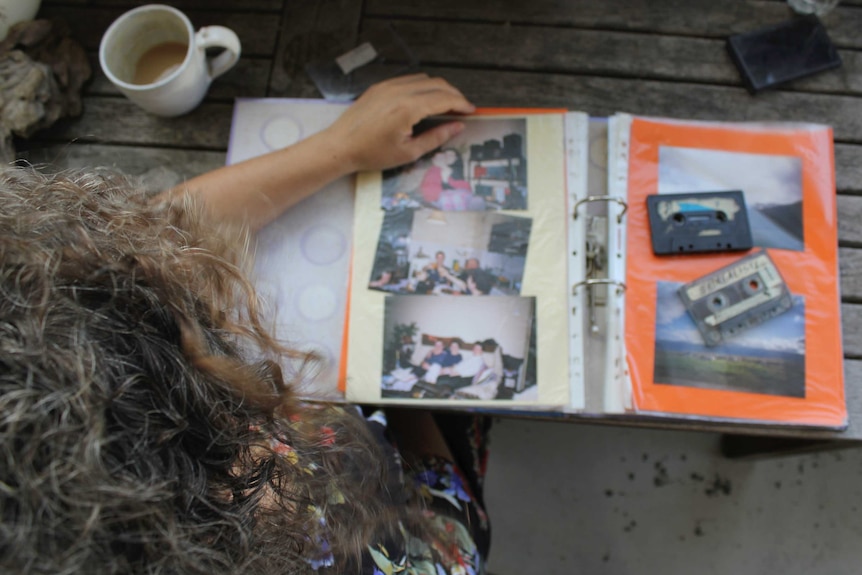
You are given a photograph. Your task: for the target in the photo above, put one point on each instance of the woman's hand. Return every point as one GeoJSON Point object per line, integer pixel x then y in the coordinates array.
{"type": "Point", "coordinates": [376, 132]}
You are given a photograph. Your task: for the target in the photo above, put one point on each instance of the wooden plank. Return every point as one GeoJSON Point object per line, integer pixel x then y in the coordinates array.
{"type": "Point", "coordinates": [601, 96]}
{"type": "Point", "coordinates": [248, 79]}
{"type": "Point", "coordinates": [587, 94]}
{"type": "Point", "coordinates": [596, 52]}
{"type": "Point", "coordinates": [157, 168]}
{"type": "Point", "coordinates": [231, 5]}
{"type": "Point", "coordinates": [311, 31]}
{"type": "Point", "coordinates": [850, 264]}
{"type": "Point", "coordinates": [257, 32]}
{"type": "Point", "coordinates": [851, 327]}
{"type": "Point", "coordinates": [705, 18]}
{"type": "Point", "coordinates": [118, 121]}
{"type": "Point", "coordinates": [848, 168]}
{"type": "Point", "coordinates": [95, 124]}
{"type": "Point", "coordinates": [849, 217]}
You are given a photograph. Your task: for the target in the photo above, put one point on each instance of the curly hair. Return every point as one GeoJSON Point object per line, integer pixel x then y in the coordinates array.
{"type": "Point", "coordinates": [139, 430]}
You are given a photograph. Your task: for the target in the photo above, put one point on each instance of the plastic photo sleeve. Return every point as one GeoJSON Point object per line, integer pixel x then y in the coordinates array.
{"type": "Point", "coordinates": [735, 335]}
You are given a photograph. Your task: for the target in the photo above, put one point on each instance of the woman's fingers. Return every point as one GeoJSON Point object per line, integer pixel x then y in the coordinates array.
{"type": "Point", "coordinates": [377, 131]}
{"type": "Point", "coordinates": [433, 138]}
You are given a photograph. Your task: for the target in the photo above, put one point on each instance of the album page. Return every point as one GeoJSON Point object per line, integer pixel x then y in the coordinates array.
{"type": "Point", "coordinates": [743, 335]}
{"type": "Point", "coordinates": [302, 259]}
{"type": "Point", "coordinates": [459, 279]}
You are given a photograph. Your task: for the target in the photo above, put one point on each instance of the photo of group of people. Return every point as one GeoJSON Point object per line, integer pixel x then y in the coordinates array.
{"type": "Point", "coordinates": [452, 264]}
{"type": "Point", "coordinates": [482, 168]}
{"type": "Point", "coordinates": [458, 348]}
{"type": "Point", "coordinates": [426, 252]}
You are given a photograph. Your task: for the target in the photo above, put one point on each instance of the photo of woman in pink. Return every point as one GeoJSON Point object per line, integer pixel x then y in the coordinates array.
{"type": "Point", "coordinates": [483, 168]}
{"type": "Point", "coordinates": [444, 185]}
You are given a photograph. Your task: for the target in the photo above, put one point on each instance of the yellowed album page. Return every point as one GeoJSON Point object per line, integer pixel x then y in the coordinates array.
{"type": "Point", "coordinates": [459, 281]}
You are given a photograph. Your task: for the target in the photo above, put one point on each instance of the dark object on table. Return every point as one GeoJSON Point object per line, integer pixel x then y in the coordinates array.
{"type": "Point", "coordinates": [42, 70]}
{"type": "Point", "coordinates": [778, 54]}
{"type": "Point", "coordinates": [698, 222]}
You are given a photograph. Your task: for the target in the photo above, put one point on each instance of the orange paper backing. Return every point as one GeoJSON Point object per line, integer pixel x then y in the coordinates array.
{"type": "Point", "coordinates": [812, 274]}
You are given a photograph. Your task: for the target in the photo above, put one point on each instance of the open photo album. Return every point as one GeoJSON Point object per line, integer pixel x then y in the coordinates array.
{"type": "Point", "coordinates": [546, 261]}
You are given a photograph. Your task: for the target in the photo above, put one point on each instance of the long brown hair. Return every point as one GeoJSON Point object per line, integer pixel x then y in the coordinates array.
{"type": "Point", "coordinates": [144, 419]}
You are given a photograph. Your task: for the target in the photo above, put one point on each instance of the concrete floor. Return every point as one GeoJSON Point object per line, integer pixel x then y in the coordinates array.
{"type": "Point", "coordinates": [569, 498]}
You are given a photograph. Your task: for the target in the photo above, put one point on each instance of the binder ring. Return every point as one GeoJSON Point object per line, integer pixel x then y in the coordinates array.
{"type": "Point", "coordinates": [601, 199]}
{"type": "Point", "coordinates": [621, 287]}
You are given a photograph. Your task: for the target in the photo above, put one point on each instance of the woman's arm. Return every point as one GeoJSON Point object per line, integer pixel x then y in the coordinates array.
{"type": "Point", "coordinates": [375, 133]}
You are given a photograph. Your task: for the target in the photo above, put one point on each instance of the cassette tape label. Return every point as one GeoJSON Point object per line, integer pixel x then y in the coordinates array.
{"type": "Point", "coordinates": [727, 208]}
{"type": "Point", "coordinates": [746, 267]}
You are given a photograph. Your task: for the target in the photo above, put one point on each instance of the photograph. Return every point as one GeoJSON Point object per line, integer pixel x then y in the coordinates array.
{"type": "Point", "coordinates": [772, 186]}
{"type": "Point", "coordinates": [482, 168]}
{"type": "Point", "coordinates": [768, 358]}
{"type": "Point", "coordinates": [459, 348]}
{"type": "Point", "coordinates": [429, 252]}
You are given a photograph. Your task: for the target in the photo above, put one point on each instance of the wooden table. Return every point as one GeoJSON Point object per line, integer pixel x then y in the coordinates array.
{"type": "Point", "coordinates": [658, 57]}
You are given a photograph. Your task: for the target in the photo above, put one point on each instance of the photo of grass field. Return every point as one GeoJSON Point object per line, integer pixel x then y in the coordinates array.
{"type": "Point", "coordinates": [767, 359]}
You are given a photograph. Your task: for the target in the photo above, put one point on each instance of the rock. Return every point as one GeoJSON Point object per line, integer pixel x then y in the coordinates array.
{"type": "Point", "coordinates": [26, 90]}
{"type": "Point", "coordinates": [42, 71]}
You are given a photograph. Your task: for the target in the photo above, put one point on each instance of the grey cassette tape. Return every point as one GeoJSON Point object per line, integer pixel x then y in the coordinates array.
{"type": "Point", "coordinates": [736, 297]}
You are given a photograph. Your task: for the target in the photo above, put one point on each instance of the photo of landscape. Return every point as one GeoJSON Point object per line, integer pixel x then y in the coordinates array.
{"type": "Point", "coordinates": [766, 359]}
{"type": "Point", "coordinates": [772, 186]}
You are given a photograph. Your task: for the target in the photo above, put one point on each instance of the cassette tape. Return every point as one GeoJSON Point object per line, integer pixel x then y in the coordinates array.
{"type": "Point", "coordinates": [736, 297]}
{"type": "Point", "coordinates": [698, 222]}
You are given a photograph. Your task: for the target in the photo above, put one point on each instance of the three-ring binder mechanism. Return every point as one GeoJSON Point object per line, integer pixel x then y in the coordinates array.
{"type": "Point", "coordinates": [597, 268]}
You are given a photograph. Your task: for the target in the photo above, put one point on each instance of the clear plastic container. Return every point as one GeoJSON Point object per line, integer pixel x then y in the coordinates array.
{"type": "Point", "coordinates": [817, 7]}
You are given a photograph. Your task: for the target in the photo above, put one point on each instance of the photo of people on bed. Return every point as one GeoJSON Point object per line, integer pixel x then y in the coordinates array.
{"type": "Point", "coordinates": [482, 168]}
{"type": "Point", "coordinates": [459, 348]}
{"type": "Point", "coordinates": [428, 252]}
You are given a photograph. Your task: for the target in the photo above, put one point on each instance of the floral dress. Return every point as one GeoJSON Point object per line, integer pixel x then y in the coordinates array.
{"type": "Point", "coordinates": [449, 493]}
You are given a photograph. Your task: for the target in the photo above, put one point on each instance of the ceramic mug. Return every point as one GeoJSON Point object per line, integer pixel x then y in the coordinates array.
{"type": "Point", "coordinates": [14, 11]}
{"type": "Point", "coordinates": [155, 57]}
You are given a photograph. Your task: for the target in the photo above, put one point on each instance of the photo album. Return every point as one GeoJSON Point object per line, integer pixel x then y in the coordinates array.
{"type": "Point", "coordinates": [550, 262]}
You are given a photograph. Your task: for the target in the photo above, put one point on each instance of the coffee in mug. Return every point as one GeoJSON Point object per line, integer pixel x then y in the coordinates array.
{"type": "Point", "coordinates": [157, 60]}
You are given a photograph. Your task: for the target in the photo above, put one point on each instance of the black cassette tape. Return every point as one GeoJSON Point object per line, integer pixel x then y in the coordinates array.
{"type": "Point", "coordinates": [698, 222]}
{"type": "Point", "coordinates": [736, 297]}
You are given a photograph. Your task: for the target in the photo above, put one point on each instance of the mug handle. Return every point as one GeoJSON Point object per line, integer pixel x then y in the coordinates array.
{"type": "Point", "coordinates": [219, 37]}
